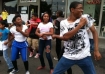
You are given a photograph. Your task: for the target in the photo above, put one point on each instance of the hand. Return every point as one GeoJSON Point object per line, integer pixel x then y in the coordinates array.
{"type": "Point", "coordinates": [44, 37]}
{"type": "Point", "coordinates": [53, 36]}
{"type": "Point", "coordinates": [6, 42]}
{"type": "Point", "coordinates": [82, 22]}
{"type": "Point", "coordinates": [0, 34]}
{"type": "Point", "coordinates": [97, 55]}
{"type": "Point", "coordinates": [18, 29]}
{"type": "Point", "coordinates": [41, 35]}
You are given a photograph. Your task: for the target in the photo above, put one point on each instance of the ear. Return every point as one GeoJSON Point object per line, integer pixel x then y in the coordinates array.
{"type": "Point", "coordinates": [72, 9]}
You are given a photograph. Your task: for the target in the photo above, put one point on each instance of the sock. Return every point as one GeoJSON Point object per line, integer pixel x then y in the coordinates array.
{"type": "Point", "coordinates": [26, 65]}
{"type": "Point", "coordinates": [15, 64]}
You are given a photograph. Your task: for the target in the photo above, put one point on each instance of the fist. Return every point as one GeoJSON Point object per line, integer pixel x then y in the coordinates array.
{"type": "Point", "coordinates": [44, 37]}
{"type": "Point", "coordinates": [83, 21]}
{"type": "Point", "coordinates": [18, 29]}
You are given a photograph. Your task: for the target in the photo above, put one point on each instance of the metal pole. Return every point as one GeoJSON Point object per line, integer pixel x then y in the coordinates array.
{"type": "Point", "coordinates": [100, 18]}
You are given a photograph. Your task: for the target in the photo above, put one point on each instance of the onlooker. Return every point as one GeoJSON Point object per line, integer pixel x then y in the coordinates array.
{"type": "Point", "coordinates": [59, 16]}
{"type": "Point", "coordinates": [44, 31]}
{"type": "Point", "coordinates": [33, 39]}
{"type": "Point", "coordinates": [20, 33]}
{"type": "Point", "coordinates": [4, 15]}
{"type": "Point", "coordinates": [3, 44]}
{"type": "Point", "coordinates": [77, 50]}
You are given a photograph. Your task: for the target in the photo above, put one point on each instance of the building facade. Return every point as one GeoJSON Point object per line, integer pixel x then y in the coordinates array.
{"type": "Point", "coordinates": [94, 7]}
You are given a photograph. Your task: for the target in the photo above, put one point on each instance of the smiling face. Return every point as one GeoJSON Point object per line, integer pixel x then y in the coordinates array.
{"type": "Point", "coordinates": [46, 18]}
{"type": "Point", "coordinates": [77, 11]}
{"type": "Point", "coordinates": [18, 21]}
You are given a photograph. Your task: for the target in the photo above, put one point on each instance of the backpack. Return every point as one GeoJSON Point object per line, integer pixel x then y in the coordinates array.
{"type": "Point", "coordinates": [57, 27]}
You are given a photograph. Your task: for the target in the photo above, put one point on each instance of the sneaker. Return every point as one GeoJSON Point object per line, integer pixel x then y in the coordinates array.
{"type": "Point", "coordinates": [27, 72]}
{"type": "Point", "coordinates": [51, 71]}
{"type": "Point", "coordinates": [9, 70]}
{"type": "Point", "coordinates": [55, 58]}
{"type": "Point", "coordinates": [31, 54]}
{"type": "Point", "coordinates": [13, 71]}
{"type": "Point", "coordinates": [40, 67]}
{"type": "Point", "coordinates": [37, 55]}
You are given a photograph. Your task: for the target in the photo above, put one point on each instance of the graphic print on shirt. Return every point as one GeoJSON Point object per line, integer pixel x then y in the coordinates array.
{"type": "Point", "coordinates": [76, 43]}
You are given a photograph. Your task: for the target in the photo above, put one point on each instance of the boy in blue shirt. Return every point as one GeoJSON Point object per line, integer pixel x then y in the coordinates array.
{"type": "Point", "coordinates": [3, 44]}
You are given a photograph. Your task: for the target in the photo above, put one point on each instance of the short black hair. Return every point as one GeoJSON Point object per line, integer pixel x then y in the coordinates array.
{"type": "Point", "coordinates": [4, 23]}
{"type": "Point", "coordinates": [17, 12]}
{"type": "Point", "coordinates": [60, 13]}
{"type": "Point", "coordinates": [74, 4]}
{"type": "Point", "coordinates": [14, 19]}
{"type": "Point", "coordinates": [35, 14]}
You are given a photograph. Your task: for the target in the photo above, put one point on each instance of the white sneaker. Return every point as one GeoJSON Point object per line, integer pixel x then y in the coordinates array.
{"type": "Point", "coordinates": [55, 58]}
{"type": "Point", "coordinates": [27, 72]}
{"type": "Point", "coordinates": [31, 54]}
{"type": "Point", "coordinates": [13, 71]}
{"type": "Point", "coordinates": [37, 55]}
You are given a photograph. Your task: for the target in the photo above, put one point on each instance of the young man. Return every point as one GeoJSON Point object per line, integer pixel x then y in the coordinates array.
{"type": "Point", "coordinates": [77, 49]}
{"type": "Point", "coordinates": [33, 39]}
{"type": "Point", "coordinates": [59, 15]}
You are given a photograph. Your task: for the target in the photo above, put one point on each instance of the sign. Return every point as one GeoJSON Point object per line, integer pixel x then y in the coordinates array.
{"type": "Point", "coordinates": [93, 1]}
{"type": "Point", "coordinates": [22, 1]}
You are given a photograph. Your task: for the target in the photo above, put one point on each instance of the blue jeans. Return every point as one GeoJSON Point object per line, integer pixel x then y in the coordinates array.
{"type": "Point", "coordinates": [45, 44]}
{"type": "Point", "coordinates": [91, 44]}
{"type": "Point", "coordinates": [7, 59]}
{"type": "Point", "coordinates": [85, 64]}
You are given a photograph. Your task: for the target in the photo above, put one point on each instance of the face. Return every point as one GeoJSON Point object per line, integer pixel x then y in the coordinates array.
{"type": "Point", "coordinates": [46, 17]}
{"type": "Point", "coordinates": [78, 11]}
{"type": "Point", "coordinates": [18, 21]}
{"type": "Point", "coordinates": [1, 26]}
{"type": "Point", "coordinates": [34, 17]}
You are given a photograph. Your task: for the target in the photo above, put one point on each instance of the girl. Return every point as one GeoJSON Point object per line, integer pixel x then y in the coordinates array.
{"type": "Point", "coordinates": [3, 44]}
{"type": "Point", "coordinates": [44, 31]}
{"type": "Point", "coordinates": [20, 33]}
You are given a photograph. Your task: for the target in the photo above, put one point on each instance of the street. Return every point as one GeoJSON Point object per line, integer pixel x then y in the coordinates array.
{"type": "Point", "coordinates": [34, 63]}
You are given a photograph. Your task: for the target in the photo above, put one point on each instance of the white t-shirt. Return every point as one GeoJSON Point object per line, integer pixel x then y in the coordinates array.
{"type": "Point", "coordinates": [45, 28]}
{"type": "Point", "coordinates": [90, 33]}
{"type": "Point", "coordinates": [78, 47]}
{"type": "Point", "coordinates": [18, 36]}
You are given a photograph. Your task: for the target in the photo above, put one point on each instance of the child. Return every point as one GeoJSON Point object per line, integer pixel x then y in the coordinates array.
{"type": "Point", "coordinates": [3, 44]}
{"type": "Point", "coordinates": [20, 33]}
{"type": "Point", "coordinates": [44, 31]}
{"type": "Point", "coordinates": [33, 39]}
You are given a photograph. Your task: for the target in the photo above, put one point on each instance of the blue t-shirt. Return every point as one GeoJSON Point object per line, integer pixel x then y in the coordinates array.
{"type": "Point", "coordinates": [5, 33]}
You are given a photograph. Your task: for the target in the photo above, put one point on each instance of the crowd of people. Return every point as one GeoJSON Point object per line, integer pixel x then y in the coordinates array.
{"type": "Point", "coordinates": [36, 35]}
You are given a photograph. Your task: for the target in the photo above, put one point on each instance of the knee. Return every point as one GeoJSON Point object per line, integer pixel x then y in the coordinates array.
{"type": "Point", "coordinates": [47, 49]}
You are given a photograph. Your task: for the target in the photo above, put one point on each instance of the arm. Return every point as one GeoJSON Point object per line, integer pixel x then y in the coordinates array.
{"type": "Point", "coordinates": [26, 33]}
{"type": "Point", "coordinates": [38, 32]}
{"type": "Point", "coordinates": [58, 36]}
{"type": "Point", "coordinates": [97, 54]}
{"type": "Point", "coordinates": [71, 33]}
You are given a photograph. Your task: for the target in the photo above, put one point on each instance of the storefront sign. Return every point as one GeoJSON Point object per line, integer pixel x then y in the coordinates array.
{"type": "Point", "coordinates": [93, 1]}
{"type": "Point", "coordinates": [27, 1]}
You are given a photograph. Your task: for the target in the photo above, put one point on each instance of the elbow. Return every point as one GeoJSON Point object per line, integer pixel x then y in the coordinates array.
{"type": "Point", "coordinates": [66, 38]}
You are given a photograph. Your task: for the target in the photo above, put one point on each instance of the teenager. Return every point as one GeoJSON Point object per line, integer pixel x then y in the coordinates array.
{"type": "Point", "coordinates": [19, 32]}
{"type": "Point", "coordinates": [33, 39]}
{"type": "Point", "coordinates": [44, 31]}
{"type": "Point", "coordinates": [59, 15]}
{"type": "Point", "coordinates": [77, 50]}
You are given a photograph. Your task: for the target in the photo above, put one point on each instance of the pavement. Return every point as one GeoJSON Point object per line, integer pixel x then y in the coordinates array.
{"type": "Point", "coordinates": [34, 63]}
